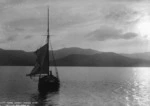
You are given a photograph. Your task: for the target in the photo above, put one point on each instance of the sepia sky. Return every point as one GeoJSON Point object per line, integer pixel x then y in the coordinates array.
{"type": "Point", "coordinates": [121, 26]}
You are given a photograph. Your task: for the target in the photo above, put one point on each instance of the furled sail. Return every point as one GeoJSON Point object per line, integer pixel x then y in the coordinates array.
{"type": "Point", "coordinates": [42, 61]}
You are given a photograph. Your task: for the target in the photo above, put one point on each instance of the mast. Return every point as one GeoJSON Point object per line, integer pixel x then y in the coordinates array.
{"type": "Point", "coordinates": [42, 54]}
{"type": "Point", "coordinates": [48, 39]}
{"type": "Point", "coordinates": [49, 42]}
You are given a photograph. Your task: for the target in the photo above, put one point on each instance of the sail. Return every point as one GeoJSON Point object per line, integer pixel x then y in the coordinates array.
{"type": "Point", "coordinates": [35, 70]}
{"type": "Point", "coordinates": [42, 61]}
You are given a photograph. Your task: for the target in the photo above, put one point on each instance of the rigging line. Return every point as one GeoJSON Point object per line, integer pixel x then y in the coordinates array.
{"type": "Point", "coordinates": [54, 60]}
{"type": "Point", "coordinates": [49, 41]}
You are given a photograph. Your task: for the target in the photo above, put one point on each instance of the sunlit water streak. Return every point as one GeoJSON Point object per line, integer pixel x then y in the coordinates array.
{"type": "Point", "coordinates": [142, 86]}
{"type": "Point", "coordinates": [81, 86]}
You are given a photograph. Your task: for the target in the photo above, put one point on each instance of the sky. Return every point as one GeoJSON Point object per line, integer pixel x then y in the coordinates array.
{"type": "Point", "coordinates": [121, 26]}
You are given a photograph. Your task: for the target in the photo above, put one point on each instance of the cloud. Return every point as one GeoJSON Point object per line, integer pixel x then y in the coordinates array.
{"type": "Point", "coordinates": [128, 0]}
{"type": "Point", "coordinates": [8, 39]}
{"type": "Point", "coordinates": [65, 14]}
{"type": "Point", "coordinates": [28, 37]}
{"type": "Point", "coordinates": [21, 25]}
{"type": "Point", "coordinates": [107, 33]}
{"type": "Point", "coordinates": [121, 13]}
{"type": "Point", "coordinates": [129, 35]}
{"type": "Point", "coordinates": [7, 34]}
{"type": "Point", "coordinates": [70, 20]}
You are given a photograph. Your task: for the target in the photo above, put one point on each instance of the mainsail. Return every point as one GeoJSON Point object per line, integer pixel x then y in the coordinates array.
{"type": "Point", "coordinates": [42, 61]}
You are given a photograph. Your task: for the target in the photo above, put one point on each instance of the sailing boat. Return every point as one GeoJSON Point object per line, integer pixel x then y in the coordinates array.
{"type": "Point", "coordinates": [47, 81]}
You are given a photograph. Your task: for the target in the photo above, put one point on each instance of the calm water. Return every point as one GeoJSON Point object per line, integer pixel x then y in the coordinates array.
{"type": "Point", "coordinates": [80, 86]}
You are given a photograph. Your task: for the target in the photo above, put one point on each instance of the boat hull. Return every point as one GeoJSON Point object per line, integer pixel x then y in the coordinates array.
{"type": "Point", "coordinates": [48, 84]}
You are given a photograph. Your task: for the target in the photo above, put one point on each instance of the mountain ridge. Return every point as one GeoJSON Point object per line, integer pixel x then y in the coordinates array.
{"type": "Point", "coordinates": [72, 57]}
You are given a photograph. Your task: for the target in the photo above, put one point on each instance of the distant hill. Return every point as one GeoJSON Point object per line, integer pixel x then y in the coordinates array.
{"type": "Point", "coordinates": [74, 50]}
{"type": "Point", "coordinates": [72, 57]}
{"type": "Point", "coordinates": [103, 59]}
{"type": "Point", "coordinates": [144, 56]}
{"type": "Point", "coordinates": [19, 57]}
{"type": "Point", "coordinates": [16, 57]}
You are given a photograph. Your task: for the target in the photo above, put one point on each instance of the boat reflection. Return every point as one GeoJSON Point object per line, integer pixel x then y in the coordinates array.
{"type": "Point", "coordinates": [49, 99]}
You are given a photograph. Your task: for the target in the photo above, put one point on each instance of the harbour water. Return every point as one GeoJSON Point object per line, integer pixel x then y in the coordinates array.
{"type": "Point", "coordinates": [80, 86]}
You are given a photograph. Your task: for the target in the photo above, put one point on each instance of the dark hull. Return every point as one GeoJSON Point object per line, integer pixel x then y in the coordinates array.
{"type": "Point", "coordinates": [48, 84]}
